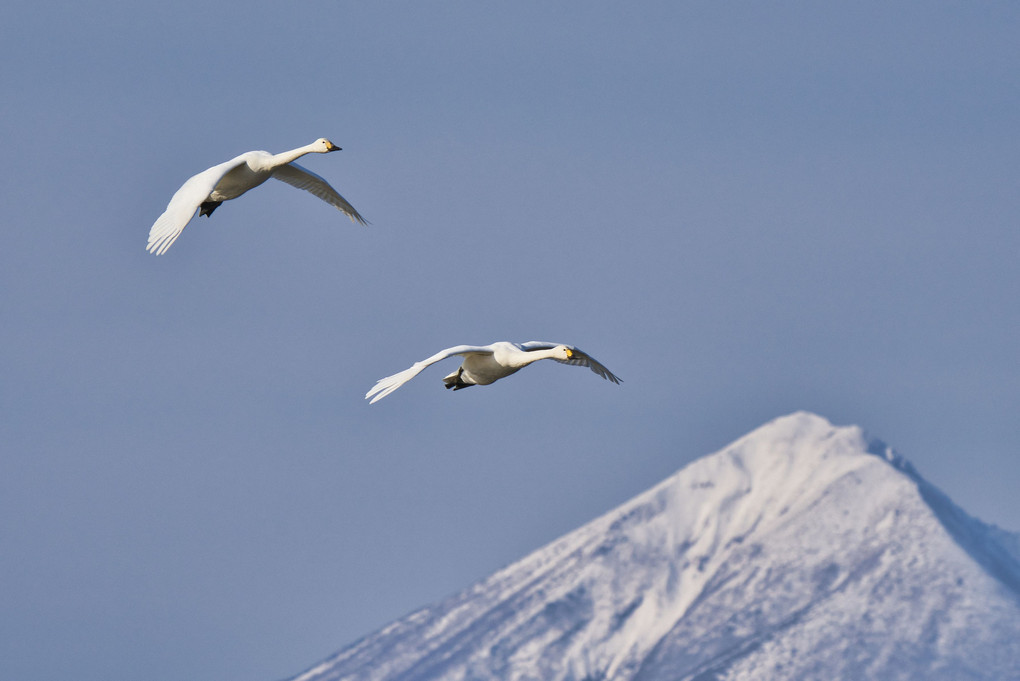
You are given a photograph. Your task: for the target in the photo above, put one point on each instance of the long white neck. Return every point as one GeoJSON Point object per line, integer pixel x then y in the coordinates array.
{"type": "Point", "coordinates": [526, 358]}
{"type": "Point", "coordinates": [286, 157]}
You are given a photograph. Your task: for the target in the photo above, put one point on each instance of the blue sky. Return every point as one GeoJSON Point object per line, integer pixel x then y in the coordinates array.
{"type": "Point", "coordinates": [741, 210]}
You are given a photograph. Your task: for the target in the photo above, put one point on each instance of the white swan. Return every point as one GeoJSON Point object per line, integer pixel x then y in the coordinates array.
{"type": "Point", "coordinates": [210, 188]}
{"type": "Point", "coordinates": [484, 364]}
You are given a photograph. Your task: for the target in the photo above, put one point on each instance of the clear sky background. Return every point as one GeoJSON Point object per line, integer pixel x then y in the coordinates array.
{"type": "Point", "coordinates": [741, 209]}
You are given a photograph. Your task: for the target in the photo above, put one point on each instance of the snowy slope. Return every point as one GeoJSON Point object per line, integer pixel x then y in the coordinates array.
{"type": "Point", "coordinates": [800, 551]}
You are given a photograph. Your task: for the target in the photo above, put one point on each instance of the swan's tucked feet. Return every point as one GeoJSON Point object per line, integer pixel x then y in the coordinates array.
{"type": "Point", "coordinates": [455, 382]}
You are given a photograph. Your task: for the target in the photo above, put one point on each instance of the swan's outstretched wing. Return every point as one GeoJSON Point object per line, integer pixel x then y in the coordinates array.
{"type": "Point", "coordinates": [183, 205]}
{"type": "Point", "coordinates": [302, 178]}
{"type": "Point", "coordinates": [579, 358]}
{"type": "Point", "coordinates": [384, 386]}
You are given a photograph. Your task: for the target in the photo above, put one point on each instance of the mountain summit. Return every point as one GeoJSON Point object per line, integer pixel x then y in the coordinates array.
{"type": "Point", "coordinates": [800, 551]}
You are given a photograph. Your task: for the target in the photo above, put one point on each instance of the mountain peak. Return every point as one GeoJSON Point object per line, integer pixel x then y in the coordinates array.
{"type": "Point", "coordinates": [801, 550]}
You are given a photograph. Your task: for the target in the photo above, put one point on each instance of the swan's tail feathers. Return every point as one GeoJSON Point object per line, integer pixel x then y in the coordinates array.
{"type": "Point", "coordinates": [455, 381]}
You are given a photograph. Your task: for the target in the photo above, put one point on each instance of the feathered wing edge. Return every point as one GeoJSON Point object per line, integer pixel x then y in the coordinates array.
{"type": "Point", "coordinates": [384, 386]}
{"type": "Point", "coordinates": [302, 178]}
{"type": "Point", "coordinates": [581, 358]}
{"type": "Point", "coordinates": [185, 201]}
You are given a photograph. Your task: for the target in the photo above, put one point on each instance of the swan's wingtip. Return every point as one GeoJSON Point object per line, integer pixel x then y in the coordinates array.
{"type": "Point", "coordinates": [378, 391]}
{"type": "Point", "coordinates": [355, 218]}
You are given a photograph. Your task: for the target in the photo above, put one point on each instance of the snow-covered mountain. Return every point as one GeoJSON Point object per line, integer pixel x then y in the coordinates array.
{"type": "Point", "coordinates": [800, 551]}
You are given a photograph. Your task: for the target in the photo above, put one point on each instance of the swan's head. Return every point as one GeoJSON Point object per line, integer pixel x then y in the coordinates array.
{"type": "Point", "coordinates": [566, 352]}
{"type": "Point", "coordinates": [323, 145]}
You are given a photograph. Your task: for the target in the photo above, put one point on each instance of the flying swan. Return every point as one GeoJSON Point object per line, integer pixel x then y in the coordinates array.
{"type": "Point", "coordinates": [485, 364]}
{"type": "Point", "coordinates": [207, 190]}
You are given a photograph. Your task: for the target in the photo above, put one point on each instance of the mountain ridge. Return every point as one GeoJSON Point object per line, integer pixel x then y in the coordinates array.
{"type": "Point", "coordinates": [733, 567]}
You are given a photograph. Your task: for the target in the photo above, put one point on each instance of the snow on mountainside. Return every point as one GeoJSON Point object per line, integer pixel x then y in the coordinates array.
{"type": "Point", "coordinates": [800, 551]}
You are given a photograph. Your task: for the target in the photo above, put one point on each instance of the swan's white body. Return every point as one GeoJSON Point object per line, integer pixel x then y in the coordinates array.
{"type": "Point", "coordinates": [485, 364]}
{"type": "Point", "coordinates": [231, 179]}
